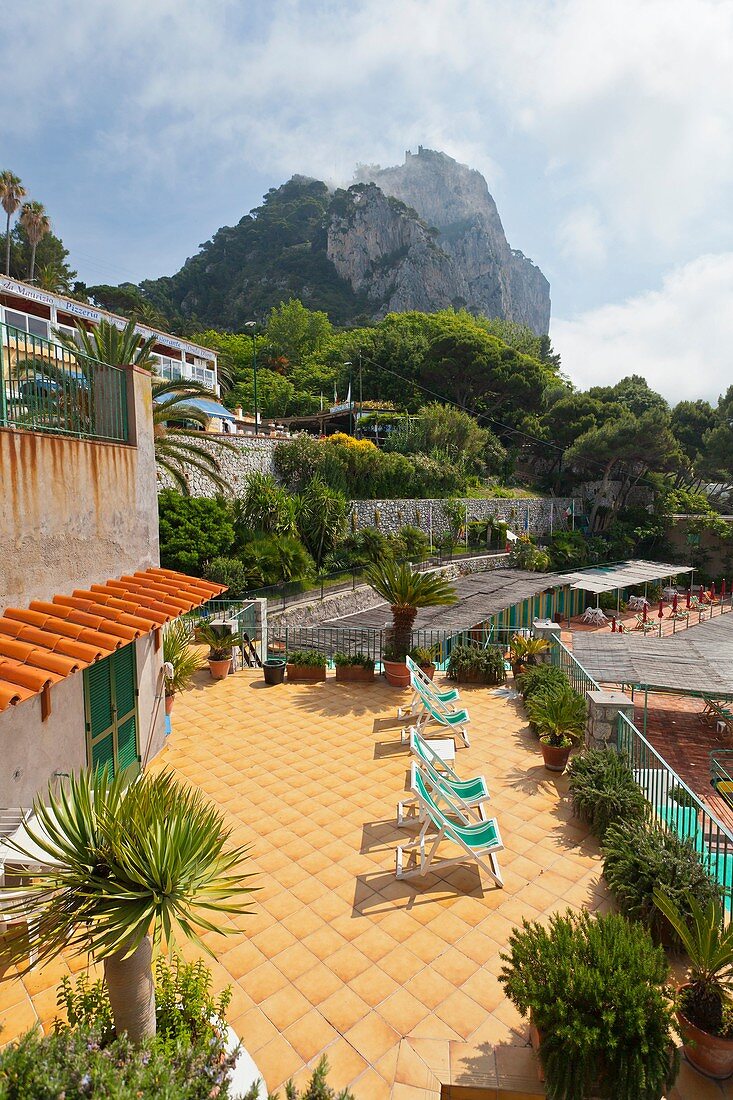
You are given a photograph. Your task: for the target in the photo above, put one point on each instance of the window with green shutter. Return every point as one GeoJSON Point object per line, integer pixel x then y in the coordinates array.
{"type": "Point", "coordinates": [110, 703]}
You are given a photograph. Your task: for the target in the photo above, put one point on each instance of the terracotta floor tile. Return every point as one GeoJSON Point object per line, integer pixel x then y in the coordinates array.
{"type": "Point", "coordinates": [310, 1035]}
{"type": "Point", "coordinates": [461, 1013]}
{"type": "Point", "coordinates": [318, 983]}
{"type": "Point", "coordinates": [403, 1011]}
{"type": "Point", "coordinates": [374, 985]}
{"type": "Point", "coordinates": [264, 981]}
{"type": "Point", "coordinates": [343, 1008]}
{"type": "Point", "coordinates": [277, 1061]}
{"type": "Point", "coordinates": [254, 1029]}
{"type": "Point", "coordinates": [348, 962]}
{"type": "Point", "coordinates": [345, 1064]}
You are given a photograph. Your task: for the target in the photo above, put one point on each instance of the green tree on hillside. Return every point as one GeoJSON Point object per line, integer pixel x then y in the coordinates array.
{"type": "Point", "coordinates": [297, 333]}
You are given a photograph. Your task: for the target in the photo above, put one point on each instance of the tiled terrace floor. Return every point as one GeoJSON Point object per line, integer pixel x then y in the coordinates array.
{"type": "Point", "coordinates": [395, 981]}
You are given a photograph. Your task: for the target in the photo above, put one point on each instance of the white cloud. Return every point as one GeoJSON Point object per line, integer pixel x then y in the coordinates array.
{"type": "Point", "coordinates": [582, 237]}
{"type": "Point", "coordinates": [679, 337]}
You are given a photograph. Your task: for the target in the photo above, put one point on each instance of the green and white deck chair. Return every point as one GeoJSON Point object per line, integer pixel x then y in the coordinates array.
{"type": "Point", "coordinates": [449, 695]}
{"type": "Point", "coordinates": [443, 714]}
{"type": "Point", "coordinates": [440, 752]}
{"type": "Point", "coordinates": [466, 795]}
{"type": "Point", "coordinates": [479, 841]}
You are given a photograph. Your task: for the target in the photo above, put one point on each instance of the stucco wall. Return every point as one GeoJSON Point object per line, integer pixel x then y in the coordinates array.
{"type": "Point", "coordinates": [151, 701]}
{"type": "Point", "coordinates": [72, 512]}
{"type": "Point", "coordinates": [32, 750]}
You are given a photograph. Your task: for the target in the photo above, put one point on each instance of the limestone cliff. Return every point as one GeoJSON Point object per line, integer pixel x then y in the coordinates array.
{"type": "Point", "coordinates": [492, 277]}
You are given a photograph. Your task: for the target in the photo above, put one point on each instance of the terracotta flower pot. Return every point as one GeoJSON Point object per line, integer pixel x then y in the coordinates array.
{"type": "Point", "coordinates": [397, 674]}
{"type": "Point", "coordinates": [709, 1054]}
{"type": "Point", "coordinates": [555, 758]}
{"type": "Point", "coordinates": [429, 670]}
{"type": "Point", "coordinates": [353, 674]}
{"type": "Point", "coordinates": [220, 669]}
{"type": "Point", "coordinates": [306, 673]}
{"type": "Point", "coordinates": [169, 700]}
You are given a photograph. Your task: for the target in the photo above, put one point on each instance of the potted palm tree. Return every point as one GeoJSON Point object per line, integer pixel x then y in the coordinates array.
{"type": "Point", "coordinates": [220, 646]}
{"type": "Point", "coordinates": [558, 714]}
{"type": "Point", "coordinates": [525, 651]}
{"type": "Point", "coordinates": [704, 1003]}
{"type": "Point", "coordinates": [132, 867]}
{"type": "Point", "coordinates": [405, 590]}
{"type": "Point", "coordinates": [180, 659]}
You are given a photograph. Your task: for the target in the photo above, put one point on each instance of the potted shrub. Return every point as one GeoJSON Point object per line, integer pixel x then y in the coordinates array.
{"type": "Point", "coordinates": [704, 1003]}
{"type": "Point", "coordinates": [405, 590]}
{"type": "Point", "coordinates": [594, 990]}
{"type": "Point", "coordinates": [474, 664]}
{"type": "Point", "coordinates": [306, 665]}
{"type": "Point", "coordinates": [536, 678]}
{"type": "Point", "coordinates": [640, 857]}
{"type": "Point", "coordinates": [424, 657]}
{"type": "Point", "coordinates": [220, 643]}
{"type": "Point", "coordinates": [603, 790]}
{"type": "Point", "coordinates": [273, 669]}
{"type": "Point", "coordinates": [558, 715]}
{"type": "Point", "coordinates": [354, 667]}
{"type": "Point", "coordinates": [525, 651]}
{"type": "Point", "coordinates": [181, 660]}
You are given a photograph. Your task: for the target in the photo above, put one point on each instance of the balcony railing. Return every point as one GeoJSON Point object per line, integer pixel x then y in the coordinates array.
{"type": "Point", "coordinates": [47, 388]}
{"type": "Point", "coordinates": [185, 370]}
{"type": "Point", "coordinates": [676, 807]}
{"type": "Point", "coordinates": [571, 666]}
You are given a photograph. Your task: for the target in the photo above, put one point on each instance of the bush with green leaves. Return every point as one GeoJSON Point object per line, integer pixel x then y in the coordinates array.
{"type": "Point", "coordinates": [239, 576]}
{"type": "Point", "coordinates": [307, 658]}
{"type": "Point", "coordinates": [353, 660]}
{"type": "Point", "coordinates": [558, 715]}
{"type": "Point", "coordinates": [485, 664]}
{"type": "Point", "coordinates": [603, 790]}
{"type": "Point", "coordinates": [537, 678]}
{"type": "Point", "coordinates": [186, 1059]}
{"type": "Point", "coordinates": [595, 987]}
{"type": "Point", "coordinates": [278, 559]}
{"type": "Point", "coordinates": [193, 530]}
{"type": "Point", "coordinates": [317, 1088]}
{"type": "Point", "coordinates": [638, 858]}
{"type": "Point", "coordinates": [679, 794]}
{"type": "Point", "coordinates": [410, 544]}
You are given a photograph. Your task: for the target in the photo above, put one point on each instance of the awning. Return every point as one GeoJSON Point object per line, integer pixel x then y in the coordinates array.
{"type": "Point", "coordinates": [44, 643]}
{"type": "Point", "coordinates": [203, 404]}
{"type": "Point", "coordinates": [609, 578]}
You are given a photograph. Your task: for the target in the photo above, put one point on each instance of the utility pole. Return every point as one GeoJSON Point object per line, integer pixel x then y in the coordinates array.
{"type": "Point", "coordinates": [252, 326]}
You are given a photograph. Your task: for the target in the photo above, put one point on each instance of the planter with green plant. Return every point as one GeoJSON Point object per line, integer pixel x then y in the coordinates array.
{"type": "Point", "coordinates": [705, 1002]}
{"type": "Point", "coordinates": [640, 857]}
{"type": "Point", "coordinates": [524, 651]}
{"type": "Point", "coordinates": [536, 678]}
{"type": "Point", "coordinates": [475, 664]}
{"type": "Point", "coordinates": [424, 656]}
{"type": "Point", "coordinates": [220, 643]}
{"type": "Point", "coordinates": [593, 988]}
{"type": "Point", "coordinates": [558, 715]}
{"type": "Point", "coordinates": [354, 668]}
{"type": "Point", "coordinates": [405, 590]}
{"type": "Point", "coordinates": [181, 660]}
{"type": "Point", "coordinates": [603, 790]}
{"type": "Point", "coordinates": [306, 665]}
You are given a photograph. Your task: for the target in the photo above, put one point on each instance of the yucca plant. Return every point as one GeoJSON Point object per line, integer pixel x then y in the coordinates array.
{"type": "Point", "coordinates": [220, 644]}
{"type": "Point", "coordinates": [182, 657]}
{"type": "Point", "coordinates": [709, 946]}
{"type": "Point", "coordinates": [407, 590]}
{"type": "Point", "coordinates": [132, 867]}
{"type": "Point", "coordinates": [558, 713]}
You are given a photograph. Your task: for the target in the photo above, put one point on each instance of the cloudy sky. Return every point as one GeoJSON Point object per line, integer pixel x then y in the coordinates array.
{"type": "Point", "coordinates": [604, 129]}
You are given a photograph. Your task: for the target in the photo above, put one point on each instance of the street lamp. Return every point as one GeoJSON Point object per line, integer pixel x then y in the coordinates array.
{"type": "Point", "coordinates": [252, 326]}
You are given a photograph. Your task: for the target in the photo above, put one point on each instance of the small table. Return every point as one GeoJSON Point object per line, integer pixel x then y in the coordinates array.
{"type": "Point", "coordinates": [638, 603]}
{"type": "Point", "coordinates": [594, 616]}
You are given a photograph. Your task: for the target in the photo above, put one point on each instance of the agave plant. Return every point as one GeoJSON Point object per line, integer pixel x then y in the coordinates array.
{"type": "Point", "coordinates": [109, 344]}
{"type": "Point", "coordinates": [406, 590]}
{"type": "Point", "coordinates": [182, 657]}
{"type": "Point", "coordinates": [132, 867]}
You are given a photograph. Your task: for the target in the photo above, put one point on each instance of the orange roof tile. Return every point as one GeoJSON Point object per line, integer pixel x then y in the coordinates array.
{"type": "Point", "coordinates": [48, 641]}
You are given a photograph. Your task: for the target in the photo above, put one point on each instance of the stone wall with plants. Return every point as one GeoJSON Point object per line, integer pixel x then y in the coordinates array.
{"type": "Point", "coordinates": [535, 515]}
{"type": "Point", "coordinates": [248, 456]}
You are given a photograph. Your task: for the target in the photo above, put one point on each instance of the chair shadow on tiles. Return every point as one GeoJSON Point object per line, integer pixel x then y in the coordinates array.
{"type": "Point", "coordinates": [536, 780]}
{"type": "Point", "coordinates": [379, 836]}
{"type": "Point", "coordinates": [379, 892]}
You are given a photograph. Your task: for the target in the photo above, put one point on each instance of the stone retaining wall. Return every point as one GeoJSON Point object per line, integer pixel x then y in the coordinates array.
{"type": "Point", "coordinates": [250, 456]}
{"type": "Point", "coordinates": [534, 515]}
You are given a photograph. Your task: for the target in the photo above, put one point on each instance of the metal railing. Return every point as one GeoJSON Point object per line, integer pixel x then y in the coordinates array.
{"type": "Point", "coordinates": [240, 612]}
{"type": "Point", "coordinates": [48, 388]}
{"type": "Point", "coordinates": [372, 642]}
{"type": "Point", "coordinates": [676, 808]}
{"type": "Point", "coordinates": [561, 656]}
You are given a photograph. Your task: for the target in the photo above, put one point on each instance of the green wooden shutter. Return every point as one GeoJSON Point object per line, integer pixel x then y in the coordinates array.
{"type": "Point", "coordinates": [110, 694]}
{"type": "Point", "coordinates": [125, 685]}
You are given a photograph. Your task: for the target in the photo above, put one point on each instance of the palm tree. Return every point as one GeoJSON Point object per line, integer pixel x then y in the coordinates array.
{"type": "Point", "coordinates": [11, 196]}
{"type": "Point", "coordinates": [51, 277]}
{"type": "Point", "coordinates": [177, 449]}
{"type": "Point", "coordinates": [132, 867]}
{"type": "Point", "coordinates": [37, 224]}
{"type": "Point", "coordinates": [406, 590]}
